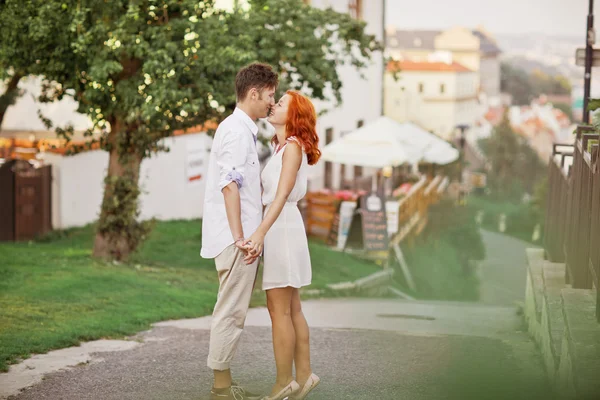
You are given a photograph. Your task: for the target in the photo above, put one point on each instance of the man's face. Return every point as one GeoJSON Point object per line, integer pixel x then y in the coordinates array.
{"type": "Point", "coordinates": [264, 103]}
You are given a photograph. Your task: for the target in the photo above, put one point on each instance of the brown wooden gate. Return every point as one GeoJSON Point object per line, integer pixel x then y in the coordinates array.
{"type": "Point", "coordinates": [26, 195]}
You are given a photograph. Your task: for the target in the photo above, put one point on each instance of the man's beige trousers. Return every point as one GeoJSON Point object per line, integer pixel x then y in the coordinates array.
{"type": "Point", "coordinates": [236, 282]}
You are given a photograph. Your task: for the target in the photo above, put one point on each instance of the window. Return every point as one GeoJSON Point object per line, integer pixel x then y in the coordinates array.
{"type": "Point", "coordinates": [442, 88]}
{"type": "Point", "coordinates": [355, 8]}
{"type": "Point", "coordinates": [358, 170]}
{"type": "Point", "coordinates": [421, 87]}
{"type": "Point", "coordinates": [328, 165]}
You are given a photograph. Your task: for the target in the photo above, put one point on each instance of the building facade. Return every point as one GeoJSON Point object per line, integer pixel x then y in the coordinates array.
{"type": "Point", "coordinates": [475, 49]}
{"type": "Point", "coordinates": [436, 95]}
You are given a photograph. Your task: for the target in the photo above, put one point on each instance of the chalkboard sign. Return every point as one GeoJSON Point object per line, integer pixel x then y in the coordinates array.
{"type": "Point", "coordinates": [368, 229]}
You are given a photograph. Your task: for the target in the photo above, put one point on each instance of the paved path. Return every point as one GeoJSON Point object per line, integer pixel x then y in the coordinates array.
{"type": "Point", "coordinates": [362, 349]}
{"type": "Point", "coordinates": [504, 271]}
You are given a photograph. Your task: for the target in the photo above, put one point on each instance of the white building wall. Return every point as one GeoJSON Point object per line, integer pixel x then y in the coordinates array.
{"type": "Point", "coordinates": [77, 187]}
{"type": "Point", "coordinates": [490, 76]}
{"type": "Point", "coordinates": [433, 110]}
{"type": "Point", "coordinates": [78, 183]}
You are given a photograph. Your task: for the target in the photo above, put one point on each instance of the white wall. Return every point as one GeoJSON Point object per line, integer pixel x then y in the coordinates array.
{"type": "Point", "coordinates": [168, 192]}
{"type": "Point", "coordinates": [77, 187]}
{"type": "Point", "coordinates": [78, 183]}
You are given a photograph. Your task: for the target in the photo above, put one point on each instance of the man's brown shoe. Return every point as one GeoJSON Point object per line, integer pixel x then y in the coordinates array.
{"type": "Point", "coordinates": [234, 392]}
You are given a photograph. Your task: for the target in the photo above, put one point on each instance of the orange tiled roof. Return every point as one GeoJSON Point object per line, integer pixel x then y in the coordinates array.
{"type": "Point", "coordinates": [426, 66]}
{"type": "Point", "coordinates": [197, 129]}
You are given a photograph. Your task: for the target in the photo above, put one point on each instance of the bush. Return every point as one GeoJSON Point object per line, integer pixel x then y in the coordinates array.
{"type": "Point", "coordinates": [440, 273]}
{"type": "Point", "coordinates": [521, 218]}
{"type": "Point", "coordinates": [440, 259]}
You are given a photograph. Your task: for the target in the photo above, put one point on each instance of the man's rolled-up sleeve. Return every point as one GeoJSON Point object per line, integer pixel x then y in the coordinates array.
{"type": "Point", "coordinates": [232, 160]}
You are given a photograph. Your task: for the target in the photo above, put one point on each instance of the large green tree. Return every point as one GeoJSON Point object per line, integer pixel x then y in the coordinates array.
{"type": "Point", "coordinates": [34, 39]}
{"type": "Point", "coordinates": [144, 68]}
{"type": "Point", "coordinates": [516, 168]}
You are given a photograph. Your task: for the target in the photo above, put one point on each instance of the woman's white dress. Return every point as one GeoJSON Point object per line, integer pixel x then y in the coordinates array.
{"type": "Point", "coordinates": [286, 256]}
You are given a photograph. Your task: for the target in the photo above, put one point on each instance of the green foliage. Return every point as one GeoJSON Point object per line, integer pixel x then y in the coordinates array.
{"type": "Point", "coordinates": [566, 108]}
{"type": "Point", "coordinates": [593, 104]}
{"type": "Point", "coordinates": [304, 43]}
{"type": "Point", "coordinates": [156, 66]}
{"type": "Point", "coordinates": [455, 225]}
{"type": "Point", "coordinates": [142, 69]}
{"type": "Point", "coordinates": [515, 166]}
{"type": "Point", "coordinates": [34, 39]}
{"type": "Point", "coordinates": [441, 258]}
{"type": "Point", "coordinates": [119, 216]}
{"type": "Point", "coordinates": [515, 82]}
{"type": "Point", "coordinates": [524, 87]}
{"type": "Point", "coordinates": [440, 274]}
{"type": "Point", "coordinates": [521, 218]}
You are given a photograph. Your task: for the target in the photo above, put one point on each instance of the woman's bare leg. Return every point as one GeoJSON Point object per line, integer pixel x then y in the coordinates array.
{"type": "Point", "coordinates": [284, 338]}
{"type": "Point", "coordinates": [302, 349]}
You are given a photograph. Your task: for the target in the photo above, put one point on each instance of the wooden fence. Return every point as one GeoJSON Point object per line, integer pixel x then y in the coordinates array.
{"type": "Point", "coordinates": [573, 210]}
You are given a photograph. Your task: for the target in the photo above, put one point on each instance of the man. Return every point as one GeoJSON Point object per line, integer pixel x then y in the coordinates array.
{"type": "Point", "coordinates": [233, 211]}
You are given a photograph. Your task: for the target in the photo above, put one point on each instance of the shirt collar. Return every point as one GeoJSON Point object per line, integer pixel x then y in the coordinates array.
{"type": "Point", "coordinates": [241, 114]}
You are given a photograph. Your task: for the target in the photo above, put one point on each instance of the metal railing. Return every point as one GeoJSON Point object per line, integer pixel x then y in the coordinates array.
{"type": "Point", "coordinates": [573, 210]}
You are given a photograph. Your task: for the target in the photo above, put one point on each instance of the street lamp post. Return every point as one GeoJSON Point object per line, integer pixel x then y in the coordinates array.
{"type": "Point", "coordinates": [590, 37]}
{"type": "Point", "coordinates": [461, 143]}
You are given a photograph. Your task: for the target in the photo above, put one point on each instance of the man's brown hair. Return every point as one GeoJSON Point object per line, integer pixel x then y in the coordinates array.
{"type": "Point", "coordinates": [256, 75]}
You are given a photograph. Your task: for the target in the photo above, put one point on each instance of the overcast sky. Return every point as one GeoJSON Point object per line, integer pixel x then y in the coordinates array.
{"type": "Point", "coordinates": [560, 17]}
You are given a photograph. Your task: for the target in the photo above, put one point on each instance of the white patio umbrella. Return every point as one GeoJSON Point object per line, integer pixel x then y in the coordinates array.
{"type": "Point", "coordinates": [441, 155]}
{"type": "Point", "coordinates": [431, 148]}
{"type": "Point", "coordinates": [373, 145]}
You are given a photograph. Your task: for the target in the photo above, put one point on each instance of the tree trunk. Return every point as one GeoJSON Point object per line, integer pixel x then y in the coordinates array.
{"type": "Point", "coordinates": [119, 232]}
{"type": "Point", "coordinates": [9, 95]}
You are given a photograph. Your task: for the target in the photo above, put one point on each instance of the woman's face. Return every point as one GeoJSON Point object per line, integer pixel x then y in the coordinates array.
{"type": "Point", "coordinates": [278, 114]}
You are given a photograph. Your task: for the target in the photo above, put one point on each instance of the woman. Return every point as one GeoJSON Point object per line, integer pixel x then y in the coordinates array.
{"type": "Point", "coordinates": [286, 259]}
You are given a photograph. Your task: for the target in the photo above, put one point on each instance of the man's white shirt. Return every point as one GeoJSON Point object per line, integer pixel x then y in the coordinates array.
{"type": "Point", "coordinates": [233, 158]}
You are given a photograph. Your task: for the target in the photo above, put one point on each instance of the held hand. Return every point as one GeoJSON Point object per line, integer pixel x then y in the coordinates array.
{"type": "Point", "coordinates": [240, 245]}
{"type": "Point", "coordinates": [254, 246]}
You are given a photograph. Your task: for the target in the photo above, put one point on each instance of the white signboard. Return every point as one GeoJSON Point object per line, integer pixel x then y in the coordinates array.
{"type": "Point", "coordinates": [195, 160]}
{"type": "Point", "coordinates": [346, 212]}
{"type": "Point", "coordinates": [392, 210]}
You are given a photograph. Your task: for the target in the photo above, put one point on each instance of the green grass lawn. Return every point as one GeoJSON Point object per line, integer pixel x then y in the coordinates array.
{"type": "Point", "coordinates": [54, 295]}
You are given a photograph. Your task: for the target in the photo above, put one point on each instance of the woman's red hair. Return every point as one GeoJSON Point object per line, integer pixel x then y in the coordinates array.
{"type": "Point", "coordinates": [302, 123]}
